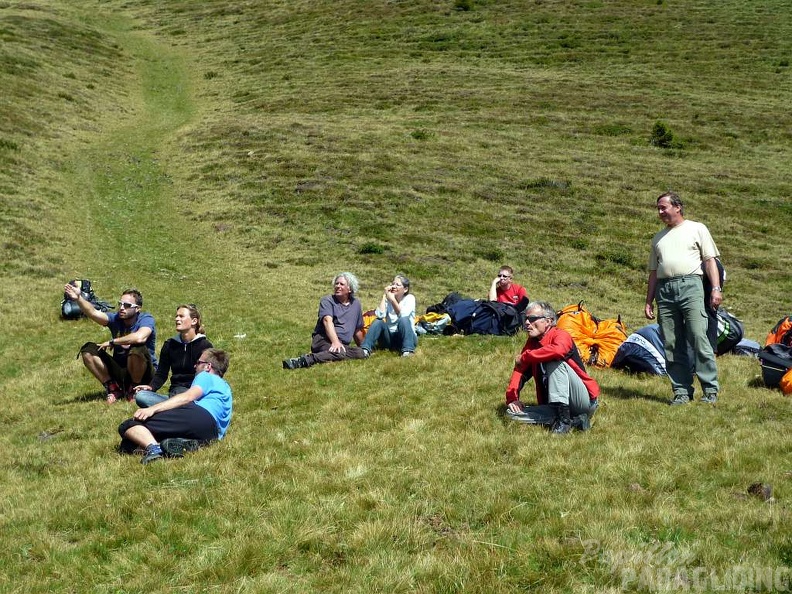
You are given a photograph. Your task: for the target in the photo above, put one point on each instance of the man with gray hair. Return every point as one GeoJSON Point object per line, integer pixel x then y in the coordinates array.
{"type": "Point", "coordinates": [681, 254]}
{"type": "Point", "coordinates": [339, 322]}
{"type": "Point", "coordinates": [566, 395]}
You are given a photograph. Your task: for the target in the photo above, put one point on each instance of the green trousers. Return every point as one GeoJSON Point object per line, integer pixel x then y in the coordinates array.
{"type": "Point", "coordinates": [683, 321]}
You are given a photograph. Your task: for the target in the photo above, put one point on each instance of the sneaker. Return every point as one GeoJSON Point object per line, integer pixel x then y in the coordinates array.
{"type": "Point", "coordinates": [129, 447]}
{"type": "Point", "coordinates": [710, 398]}
{"type": "Point", "coordinates": [407, 354]}
{"type": "Point", "coordinates": [680, 399]}
{"type": "Point", "coordinates": [366, 353]}
{"type": "Point", "coordinates": [153, 452]}
{"type": "Point", "coordinates": [295, 362]}
{"type": "Point", "coordinates": [114, 393]}
{"type": "Point", "coordinates": [175, 447]}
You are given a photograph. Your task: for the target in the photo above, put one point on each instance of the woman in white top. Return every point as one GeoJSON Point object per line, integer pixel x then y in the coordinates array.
{"type": "Point", "coordinates": [394, 327]}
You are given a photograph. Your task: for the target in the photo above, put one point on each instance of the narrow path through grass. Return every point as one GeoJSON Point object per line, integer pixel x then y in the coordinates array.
{"type": "Point", "coordinates": [123, 178]}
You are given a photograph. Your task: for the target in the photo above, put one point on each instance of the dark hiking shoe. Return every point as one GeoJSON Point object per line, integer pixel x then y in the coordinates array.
{"type": "Point", "coordinates": [176, 447]}
{"type": "Point", "coordinates": [680, 399]}
{"type": "Point", "coordinates": [295, 362]}
{"type": "Point", "coordinates": [561, 427]}
{"type": "Point", "coordinates": [710, 398]}
{"type": "Point", "coordinates": [130, 447]}
{"type": "Point", "coordinates": [581, 422]}
{"type": "Point", "coordinates": [563, 421]}
{"type": "Point", "coordinates": [153, 452]}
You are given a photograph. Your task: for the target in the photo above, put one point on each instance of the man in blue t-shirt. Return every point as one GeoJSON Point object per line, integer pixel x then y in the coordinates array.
{"type": "Point", "coordinates": [133, 340]}
{"type": "Point", "coordinates": [184, 422]}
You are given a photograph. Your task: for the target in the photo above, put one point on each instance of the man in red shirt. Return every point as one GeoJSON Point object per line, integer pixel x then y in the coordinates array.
{"type": "Point", "coordinates": [566, 395]}
{"type": "Point", "coordinates": [504, 290]}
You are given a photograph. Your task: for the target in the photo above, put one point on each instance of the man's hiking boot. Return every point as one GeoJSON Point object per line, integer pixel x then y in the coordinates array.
{"type": "Point", "coordinates": [176, 447]}
{"type": "Point", "coordinates": [295, 362]}
{"type": "Point", "coordinates": [581, 422]}
{"type": "Point", "coordinates": [563, 422]}
{"type": "Point", "coordinates": [680, 398]}
{"type": "Point", "coordinates": [153, 452]}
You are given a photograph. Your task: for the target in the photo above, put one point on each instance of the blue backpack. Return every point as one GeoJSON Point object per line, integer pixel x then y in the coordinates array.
{"type": "Point", "coordinates": [486, 317]}
{"type": "Point", "coordinates": [642, 352]}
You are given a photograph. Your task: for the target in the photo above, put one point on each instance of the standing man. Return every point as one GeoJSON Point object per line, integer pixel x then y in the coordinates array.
{"type": "Point", "coordinates": [504, 290]}
{"type": "Point", "coordinates": [681, 254]}
{"type": "Point", "coordinates": [340, 321]}
{"type": "Point", "coordinates": [133, 339]}
{"type": "Point", "coordinates": [566, 395]}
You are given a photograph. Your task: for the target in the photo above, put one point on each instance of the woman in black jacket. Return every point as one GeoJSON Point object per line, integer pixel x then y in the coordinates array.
{"type": "Point", "coordinates": [177, 357]}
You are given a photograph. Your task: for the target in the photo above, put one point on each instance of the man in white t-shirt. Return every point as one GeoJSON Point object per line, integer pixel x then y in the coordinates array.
{"type": "Point", "coordinates": [681, 254]}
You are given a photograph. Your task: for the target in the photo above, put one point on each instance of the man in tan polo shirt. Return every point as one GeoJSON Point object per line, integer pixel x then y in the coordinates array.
{"type": "Point", "coordinates": [681, 254]}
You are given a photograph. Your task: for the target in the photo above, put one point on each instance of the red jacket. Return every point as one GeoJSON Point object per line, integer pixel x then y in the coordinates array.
{"type": "Point", "coordinates": [555, 345]}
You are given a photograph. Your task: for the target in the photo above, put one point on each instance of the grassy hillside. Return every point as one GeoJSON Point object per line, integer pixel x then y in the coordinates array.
{"type": "Point", "coordinates": [508, 132]}
{"type": "Point", "coordinates": [238, 154]}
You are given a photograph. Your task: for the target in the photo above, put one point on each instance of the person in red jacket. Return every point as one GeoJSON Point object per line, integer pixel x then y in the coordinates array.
{"type": "Point", "coordinates": [566, 395]}
{"type": "Point", "coordinates": [504, 290]}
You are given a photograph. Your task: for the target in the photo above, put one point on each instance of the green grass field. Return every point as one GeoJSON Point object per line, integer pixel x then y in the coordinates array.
{"type": "Point", "coordinates": [239, 154]}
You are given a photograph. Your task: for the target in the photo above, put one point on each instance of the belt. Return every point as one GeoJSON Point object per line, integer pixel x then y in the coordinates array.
{"type": "Point", "coordinates": [680, 277]}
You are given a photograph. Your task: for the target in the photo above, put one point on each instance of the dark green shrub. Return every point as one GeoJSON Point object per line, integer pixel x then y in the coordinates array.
{"type": "Point", "coordinates": [371, 248]}
{"type": "Point", "coordinates": [493, 255]}
{"type": "Point", "coordinates": [421, 134]}
{"type": "Point", "coordinates": [661, 136]}
{"type": "Point", "coordinates": [578, 243]}
{"type": "Point", "coordinates": [618, 256]}
{"type": "Point", "coordinates": [559, 185]}
{"type": "Point", "coordinates": [612, 129]}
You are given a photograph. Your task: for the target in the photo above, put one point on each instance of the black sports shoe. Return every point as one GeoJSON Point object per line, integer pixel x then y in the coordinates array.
{"type": "Point", "coordinates": [175, 447]}
{"type": "Point", "coordinates": [295, 362]}
{"type": "Point", "coordinates": [581, 422]}
{"type": "Point", "coordinates": [680, 398]}
{"type": "Point", "coordinates": [710, 398]}
{"type": "Point", "coordinates": [563, 422]}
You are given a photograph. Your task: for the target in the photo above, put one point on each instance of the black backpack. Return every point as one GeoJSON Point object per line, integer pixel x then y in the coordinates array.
{"type": "Point", "coordinates": [448, 301]}
{"type": "Point", "coordinates": [725, 331]}
{"type": "Point", "coordinates": [71, 311]}
{"type": "Point", "coordinates": [708, 285]}
{"type": "Point", "coordinates": [776, 360]}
